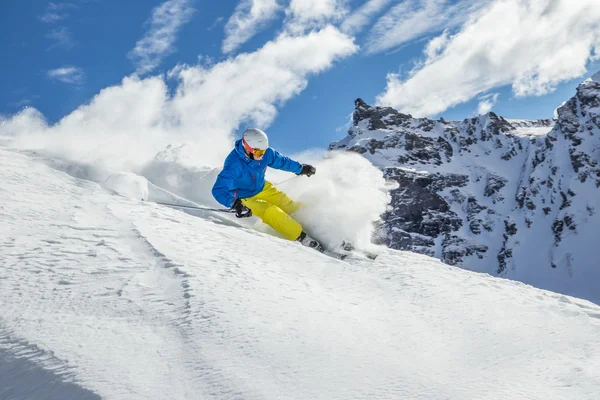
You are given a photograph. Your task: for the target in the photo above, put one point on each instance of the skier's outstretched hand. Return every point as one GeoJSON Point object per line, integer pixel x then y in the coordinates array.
{"type": "Point", "coordinates": [241, 211]}
{"type": "Point", "coordinates": [308, 170]}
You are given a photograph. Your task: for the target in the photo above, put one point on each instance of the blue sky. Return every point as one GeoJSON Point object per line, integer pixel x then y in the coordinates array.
{"type": "Point", "coordinates": [446, 54]}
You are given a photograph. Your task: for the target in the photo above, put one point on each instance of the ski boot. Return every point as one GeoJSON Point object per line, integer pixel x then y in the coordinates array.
{"type": "Point", "coordinates": [310, 242]}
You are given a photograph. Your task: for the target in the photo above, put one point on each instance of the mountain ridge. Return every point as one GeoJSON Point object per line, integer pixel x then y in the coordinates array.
{"type": "Point", "coordinates": [489, 191]}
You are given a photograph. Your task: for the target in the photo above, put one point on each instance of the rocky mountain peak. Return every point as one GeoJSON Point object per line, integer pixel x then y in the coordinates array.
{"type": "Point", "coordinates": [377, 117]}
{"type": "Point", "coordinates": [515, 198]}
{"type": "Point", "coordinates": [579, 126]}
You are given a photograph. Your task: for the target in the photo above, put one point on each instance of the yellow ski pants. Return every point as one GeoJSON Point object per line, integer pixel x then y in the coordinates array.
{"type": "Point", "coordinates": [274, 207]}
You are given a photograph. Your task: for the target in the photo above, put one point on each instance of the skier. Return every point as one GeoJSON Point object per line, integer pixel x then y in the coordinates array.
{"type": "Point", "coordinates": [241, 186]}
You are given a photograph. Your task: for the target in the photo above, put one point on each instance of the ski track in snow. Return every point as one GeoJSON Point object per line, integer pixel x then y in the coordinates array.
{"type": "Point", "coordinates": [104, 297]}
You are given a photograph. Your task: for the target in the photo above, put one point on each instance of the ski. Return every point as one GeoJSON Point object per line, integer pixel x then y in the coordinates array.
{"type": "Point", "coordinates": [349, 249]}
{"type": "Point", "coordinates": [335, 254]}
{"type": "Point", "coordinates": [346, 251]}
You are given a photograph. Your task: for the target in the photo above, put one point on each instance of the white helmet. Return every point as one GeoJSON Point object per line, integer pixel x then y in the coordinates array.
{"type": "Point", "coordinates": [256, 139]}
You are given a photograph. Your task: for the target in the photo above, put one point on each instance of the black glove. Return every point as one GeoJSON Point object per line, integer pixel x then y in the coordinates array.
{"type": "Point", "coordinates": [307, 170]}
{"type": "Point", "coordinates": [241, 211]}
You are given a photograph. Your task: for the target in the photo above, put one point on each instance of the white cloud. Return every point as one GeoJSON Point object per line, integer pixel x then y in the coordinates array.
{"type": "Point", "coordinates": [356, 21]}
{"type": "Point", "coordinates": [413, 19]}
{"type": "Point", "coordinates": [217, 22]}
{"type": "Point", "coordinates": [125, 126]}
{"type": "Point", "coordinates": [68, 74]}
{"type": "Point", "coordinates": [22, 103]}
{"type": "Point", "coordinates": [249, 17]}
{"type": "Point", "coordinates": [56, 12]}
{"type": "Point", "coordinates": [486, 103]}
{"type": "Point", "coordinates": [309, 14]}
{"type": "Point", "coordinates": [159, 41]}
{"type": "Point", "coordinates": [51, 17]}
{"type": "Point", "coordinates": [555, 113]}
{"type": "Point", "coordinates": [347, 125]}
{"type": "Point", "coordinates": [532, 45]}
{"type": "Point", "coordinates": [436, 45]}
{"type": "Point", "coordinates": [281, 67]}
{"type": "Point", "coordinates": [60, 6]}
{"type": "Point", "coordinates": [62, 38]}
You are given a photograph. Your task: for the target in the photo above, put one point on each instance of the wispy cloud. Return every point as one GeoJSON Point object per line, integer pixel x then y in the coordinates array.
{"type": "Point", "coordinates": [52, 17]}
{"type": "Point", "coordinates": [56, 12]}
{"type": "Point", "coordinates": [413, 19]}
{"type": "Point", "coordinates": [217, 22]}
{"type": "Point", "coordinates": [532, 45]}
{"type": "Point", "coordinates": [22, 103]}
{"type": "Point", "coordinates": [249, 17]}
{"type": "Point", "coordinates": [486, 103]}
{"type": "Point", "coordinates": [303, 15]}
{"type": "Point", "coordinates": [159, 41]}
{"type": "Point", "coordinates": [359, 18]}
{"type": "Point", "coordinates": [67, 74]}
{"type": "Point", "coordinates": [61, 37]}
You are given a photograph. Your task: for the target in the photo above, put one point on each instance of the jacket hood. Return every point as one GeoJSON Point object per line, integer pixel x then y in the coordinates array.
{"type": "Point", "coordinates": [239, 149]}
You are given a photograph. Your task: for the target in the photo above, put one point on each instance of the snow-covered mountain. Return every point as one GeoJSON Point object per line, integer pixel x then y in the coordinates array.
{"type": "Point", "coordinates": [102, 296]}
{"type": "Point", "coordinates": [518, 199]}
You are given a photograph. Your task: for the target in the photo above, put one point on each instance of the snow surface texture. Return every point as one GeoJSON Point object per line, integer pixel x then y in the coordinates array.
{"type": "Point", "coordinates": [518, 199]}
{"type": "Point", "coordinates": [108, 297]}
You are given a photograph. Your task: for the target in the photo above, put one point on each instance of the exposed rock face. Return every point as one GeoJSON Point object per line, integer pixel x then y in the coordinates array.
{"type": "Point", "coordinates": [509, 197]}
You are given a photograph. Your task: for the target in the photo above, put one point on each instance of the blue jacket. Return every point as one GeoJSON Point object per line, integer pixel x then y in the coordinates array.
{"type": "Point", "coordinates": [243, 177]}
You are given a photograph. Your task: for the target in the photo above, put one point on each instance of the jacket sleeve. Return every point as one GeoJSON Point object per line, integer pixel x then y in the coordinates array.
{"type": "Point", "coordinates": [284, 163]}
{"type": "Point", "coordinates": [223, 190]}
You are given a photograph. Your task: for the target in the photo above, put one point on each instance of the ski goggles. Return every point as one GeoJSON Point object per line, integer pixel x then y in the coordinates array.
{"type": "Point", "coordinates": [257, 153]}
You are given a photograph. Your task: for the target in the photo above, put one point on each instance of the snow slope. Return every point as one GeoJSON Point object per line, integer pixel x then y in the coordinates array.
{"type": "Point", "coordinates": [108, 297]}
